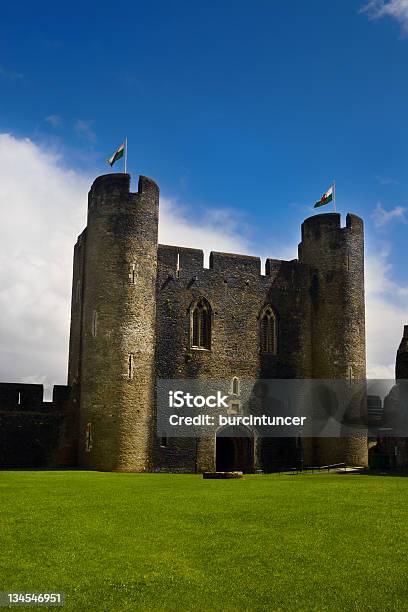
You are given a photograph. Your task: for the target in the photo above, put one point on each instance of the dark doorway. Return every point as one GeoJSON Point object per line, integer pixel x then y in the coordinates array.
{"type": "Point", "coordinates": [277, 454]}
{"type": "Point", "coordinates": [234, 450]}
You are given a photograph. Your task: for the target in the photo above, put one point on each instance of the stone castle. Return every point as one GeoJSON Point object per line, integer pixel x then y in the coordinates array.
{"type": "Point", "coordinates": [143, 311]}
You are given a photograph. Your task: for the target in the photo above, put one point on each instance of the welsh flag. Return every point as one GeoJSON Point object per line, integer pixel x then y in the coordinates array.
{"type": "Point", "coordinates": [117, 155]}
{"type": "Point", "coordinates": [326, 198]}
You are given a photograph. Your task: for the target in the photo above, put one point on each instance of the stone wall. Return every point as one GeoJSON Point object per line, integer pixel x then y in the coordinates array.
{"type": "Point", "coordinates": [237, 293]}
{"type": "Point", "coordinates": [34, 433]}
{"type": "Point", "coordinates": [131, 324]}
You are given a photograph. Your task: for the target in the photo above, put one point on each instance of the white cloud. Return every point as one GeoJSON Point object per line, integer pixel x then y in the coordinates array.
{"type": "Point", "coordinates": [219, 230]}
{"type": "Point", "coordinates": [382, 217]}
{"type": "Point", "coordinates": [43, 209]}
{"type": "Point", "coordinates": [386, 315]}
{"type": "Point", "coordinates": [397, 9]}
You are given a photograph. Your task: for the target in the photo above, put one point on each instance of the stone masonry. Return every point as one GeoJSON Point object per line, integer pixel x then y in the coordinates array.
{"type": "Point", "coordinates": [130, 324]}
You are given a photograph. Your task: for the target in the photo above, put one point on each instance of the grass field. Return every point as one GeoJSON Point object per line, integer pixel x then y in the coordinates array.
{"type": "Point", "coordinates": [177, 542]}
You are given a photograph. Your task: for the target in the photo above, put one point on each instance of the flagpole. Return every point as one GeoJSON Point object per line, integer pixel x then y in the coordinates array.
{"type": "Point", "coordinates": [125, 155]}
{"type": "Point", "coordinates": [334, 195]}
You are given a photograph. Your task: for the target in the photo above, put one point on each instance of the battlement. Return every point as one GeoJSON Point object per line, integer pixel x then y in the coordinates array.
{"type": "Point", "coordinates": [30, 397]}
{"type": "Point", "coordinates": [289, 271]}
{"type": "Point", "coordinates": [315, 227]}
{"type": "Point", "coordinates": [327, 245]}
{"type": "Point", "coordinates": [188, 261]}
{"type": "Point", "coordinates": [321, 234]}
{"type": "Point", "coordinates": [191, 260]}
{"type": "Point", "coordinates": [117, 184]}
{"type": "Point", "coordinates": [230, 262]}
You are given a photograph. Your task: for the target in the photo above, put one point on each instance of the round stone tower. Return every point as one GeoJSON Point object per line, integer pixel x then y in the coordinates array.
{"type": "Point", "coordinates": [335, 255]}
{"type": "Point", "coordinates": [118, 325]}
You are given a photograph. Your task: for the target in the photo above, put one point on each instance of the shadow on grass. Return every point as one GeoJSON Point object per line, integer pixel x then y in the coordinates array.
{"type": "Point", "coordinates": [377, 472]}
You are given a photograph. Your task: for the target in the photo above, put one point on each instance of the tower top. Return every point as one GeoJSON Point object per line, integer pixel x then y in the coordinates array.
{"type": "Point", "coordinates": [314, 226]}
{"type": "Point", "coordinates": [118, 183]}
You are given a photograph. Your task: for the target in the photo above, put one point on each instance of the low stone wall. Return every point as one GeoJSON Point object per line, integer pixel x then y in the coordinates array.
{"type": "Point", "coordinates": [35, 433]}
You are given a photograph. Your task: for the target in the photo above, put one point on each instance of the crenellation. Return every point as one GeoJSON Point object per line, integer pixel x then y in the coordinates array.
{"type": "Point", "coordinates": [232, 264]}
{"type": "Point", "coordinates": [116, 184]}
{"type": "Point", "coordinates": [21, 396]}
{"type": "Point", "coordinates": [35, 432]}
{"type": "Point", "coordinates": [290, 274]}
{"type": "Point", "coordinates": [190, 261]}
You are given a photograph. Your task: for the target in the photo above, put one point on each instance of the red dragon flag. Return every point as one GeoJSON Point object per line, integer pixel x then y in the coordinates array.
{"type": "Point", "coordinates": [119, 153]}
{"type": "Point", "coordinates": [326, 198]}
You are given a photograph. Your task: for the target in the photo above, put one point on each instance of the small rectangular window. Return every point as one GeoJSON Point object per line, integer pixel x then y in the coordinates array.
{"type": "Point", "coordinates": [95, 323]}
{"type": "Point", "coordinates": [88, 437]}
{"type": "Point", "coordinates": [132, 274]}
{"type": "Point", "coordinates": [163, 441]}
{"type": "Point", "coordinates": [130, 366]}
{"type": "Point", "coordinates": [178, 266]}
{"type": "Point", "coordinates": [234, 408]}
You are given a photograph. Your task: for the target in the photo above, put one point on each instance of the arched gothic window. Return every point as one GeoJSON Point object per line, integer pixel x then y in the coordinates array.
{"type": "Point", "coordinates": [200, 324]}
{"type": "Point", "coordinates": [235, 386]}
{"type": "Point", "coordinates": [269, 332]}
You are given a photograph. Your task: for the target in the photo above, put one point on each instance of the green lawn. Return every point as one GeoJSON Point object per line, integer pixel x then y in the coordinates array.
{"type": "Point", "coordinates": [178, 542]}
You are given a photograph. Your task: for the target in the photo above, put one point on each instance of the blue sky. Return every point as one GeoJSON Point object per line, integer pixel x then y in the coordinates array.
{"type": "Point", "coordinates": [250, 108]}
{"type": "Point", "coordinates": [224, 103]}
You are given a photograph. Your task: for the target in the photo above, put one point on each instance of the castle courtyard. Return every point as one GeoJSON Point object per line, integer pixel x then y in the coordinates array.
{"type": "Point", "coordinates": [114, 541]}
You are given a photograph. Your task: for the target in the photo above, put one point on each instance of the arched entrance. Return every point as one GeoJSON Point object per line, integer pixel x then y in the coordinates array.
{"type": "Point", "coordinates": [234, 450]}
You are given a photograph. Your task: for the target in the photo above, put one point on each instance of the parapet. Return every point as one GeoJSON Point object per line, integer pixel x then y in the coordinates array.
{"type": "Point", "coordinates": [22, 396]}
{"type": "Point", "coordinates": [60, 395]}
{"type": "Point", "coordinates": [30, 397]}
{"type": "Point", "coordinates": [325, 243]}
{"type": "Point", "coordinates": [118, 184]}
{"type": "Point", "coordinates": [147, 184]}
{"type": "Point", "coordinates": [354, 222]}
{"type": "Point", "coordinates": [290, 273]}
{"type": "Point", "coordinates": [313, 228]}
{"type": "Point", "coordinates": [186, 258]}
{"type": "Point", "coordinates": [115, 183]}
{"type": "Point", "coordinates": [230, 262]}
